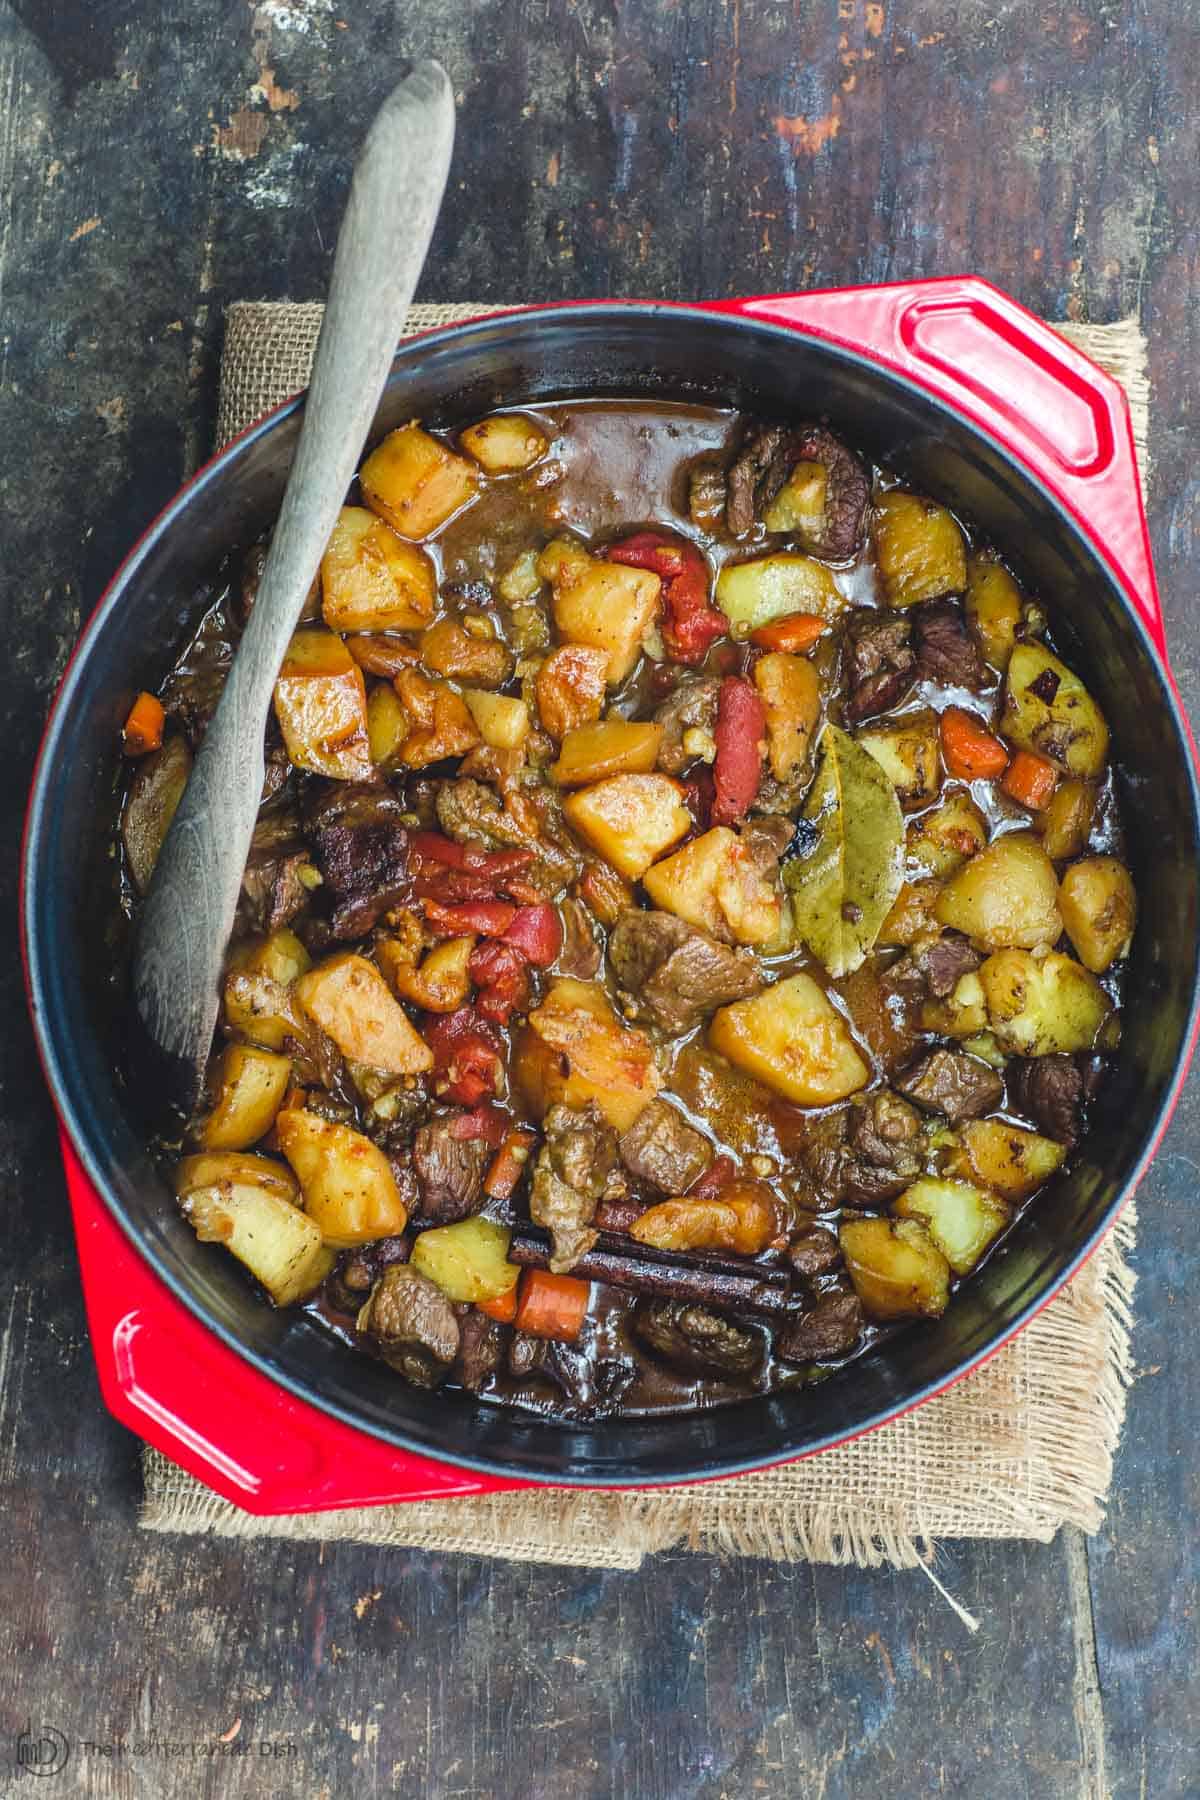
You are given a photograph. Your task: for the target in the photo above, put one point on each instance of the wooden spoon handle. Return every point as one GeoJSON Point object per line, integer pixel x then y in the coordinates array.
{"type": "Point", "coordinates": [189, 911]}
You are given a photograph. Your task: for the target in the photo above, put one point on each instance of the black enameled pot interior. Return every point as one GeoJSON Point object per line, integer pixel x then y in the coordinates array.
{"type": "Point", "coordinates": [446, 379]}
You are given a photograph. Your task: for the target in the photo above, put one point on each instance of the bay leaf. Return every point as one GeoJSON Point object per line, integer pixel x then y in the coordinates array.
{"type": "Point", "coordinates": [842, 891]}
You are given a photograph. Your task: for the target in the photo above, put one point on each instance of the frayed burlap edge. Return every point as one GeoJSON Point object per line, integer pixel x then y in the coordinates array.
{"type": "Point", "coordinates": [1019, 1448]}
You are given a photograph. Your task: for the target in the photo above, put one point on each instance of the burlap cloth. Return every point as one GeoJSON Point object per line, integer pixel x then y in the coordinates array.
{"type": "Point", "coordinates": [1017, 1449]}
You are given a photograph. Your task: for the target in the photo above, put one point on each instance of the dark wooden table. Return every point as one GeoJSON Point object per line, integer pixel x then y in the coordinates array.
{"type": "Point", "coordinates": [160, 158]}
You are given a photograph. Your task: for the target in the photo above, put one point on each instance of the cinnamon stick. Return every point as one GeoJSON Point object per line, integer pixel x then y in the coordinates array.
{"type": "Point", "coordinates": [665, 1274]}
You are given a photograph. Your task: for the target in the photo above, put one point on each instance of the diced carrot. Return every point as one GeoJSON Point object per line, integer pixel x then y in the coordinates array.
{"type": "Point", "coordinates": [144, 726]}
{"type": "Point", "coordinates": [503, 1307]}
{"type": "Point", "coordinates": [552, 1306]}
{"type": "Point", "coordinates": [796, 632]}
{"type": "Point", "coordinates": [507, 1165]}
{"type": "Point", "coordinates": [970, 751]}
{"type": "Point", "coordinates": [1030, 780]}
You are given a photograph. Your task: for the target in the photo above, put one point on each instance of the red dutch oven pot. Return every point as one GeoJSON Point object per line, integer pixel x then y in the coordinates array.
{"type": "Point", "coordinates": [975, 401]}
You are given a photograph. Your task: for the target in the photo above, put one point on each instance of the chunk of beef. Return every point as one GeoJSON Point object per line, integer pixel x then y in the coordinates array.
{"type": "Point", "coordinates": [815, 1252]}
{"type": "Point", "coordinates": [526, 1355]}
{"type": "Point", "coordinates": [581, 1147]}
{"type": "Point", "coordinates": [865, 1154]}
{"type": "Point", "coordinates": [954, 1083]}
{"type": "Point", "coordinates": [273, 892]}
{"type": "Point", "coordinates": [932, 967]}
{"type": "Point", "coordinates": [571, 1173]}
{"type": "Point", "coordinates": [662, 1148]}
{"type": "Point", "coordinates": [580, 953]}
{"type": "Point", "coordinates": [757, 473]}
{"type": "Point", "coordinates": [762, 466]}
{"type": "Point", "coordinates": [767, 840]}
{"type": "Point", "coordinates": [469, 813]}
{"type": "Point", "coordinates": [846, 494]}
{"type": "Point", "coordinates": [832, 1328]}
{"type": "Point", "coordinates": [945, 960]}
{"type": "Point", "coordinates": [590, 1386]}
{"type": "Point", "coordinates": [449, 1170]}
{"type": "Point", "coordinates": [674, 974]}
{"type": "Point", "coordinates": [698, 1341]}
{"type": "Point", "coordinates": [392, 1123]}
{"type": "Point", "coordinates": [883, 1134]}
{"type": "Point", "coordinates": [692, 707]}
{"type": "Point", "coordinates": [413, 1324]}
{"type": "Point", "coordinates": [361, 850]}
{"type": "Point", "coordinates": [356, 1272]}
{"type": "Point", "coordinates": [945, 649]}
{"type": "Point", "coordinates": [480, 1350]}
{"type": "Point", "coordinates": [1049, 1090]}
{"type": "Point", "coordinates": [880, 663]}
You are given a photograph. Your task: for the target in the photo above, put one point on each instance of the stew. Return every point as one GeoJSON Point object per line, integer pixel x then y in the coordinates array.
{"type": "Point", "coordinates": [685, 923]}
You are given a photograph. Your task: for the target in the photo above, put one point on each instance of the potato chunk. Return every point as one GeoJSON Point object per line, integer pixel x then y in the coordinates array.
{"type": "Point", "coordinates": [604, 605]}
{"type": "Point", "coordinates": [348, 998]}
{"type": "Point", "coordinates": [911, 916]}
{"type": "Point", "coordinates": [961, 1014]}
{"type": "Point", "coordinates": [609, 747]}
{"type": "Point", "coordinates": [993, 604]}
{"type": "Point", "coordinates": [414, 482]}
{"type": "Point", "coordinates": [574, 1048]}
{"type": "Point", "coordinates": [630, 819]}
{"type": "Point", "coordinates": [714, 883]}
{"type": "Point", "coordinates": [441, 984]}
{"type": "Point", "coordinates": [909, 753]}
{"type": "Point", "coordinates": [154, 793]}
{"type": "Point", "coordinates": [371, 580]}
{"type": "Point", "coordinates": [741, 1219]}
{"type": "Point", "coordinates": [476, 655]}
{"type": "Point", "coordinates": [939, 842]}
{"type": "Point", "coordinates": [961, 1219]}
{"type": "Point", "coordinates": [468, 1261]}
{"type": "Point", "coordinates": [388, 725]}
{"type": "Point", "coordinates": [799, 506]}
{"type": "Point", "coordinates": [1099, 907]}
{"type": "Point", "coordinates": [248, 1204]}
{"type": "Point", "coordinates": [1048, 710]}
{"type": "Point", "coordinates": [1006, 897]}
{"type": "Point", "coordinates": [349, 1190]}
{"type": "Point", "coordinates": [790, 691]}
{"type": "Point", "coordinates": [1041, 1006]}
{"type": "Point", "coordinates": [439, 722]}
{"type": "Point", "coordinates": [257, 996]}
{"type": "Point", "coordinates": [897, 1270]}
{"type": "Point", "coordinates": [1066, 821]}
{"type": "Point", "coordinates": [502, 721]}
{"type": "Point", "coordinates": [570, 688]}
{"type": "Point", "coordinates": [750, 594]}
{"type": "Point", "coordinates": [321, 705]}
{"type": "Point", "coordinates": [791, 1038]}
{"type": "Point", "coordinates": [251, 1086]}
{"type": "Point", "coordinates": [920, 551]}
{"type": "Point", "coordinates": [505, 443]}
{"type": "Point", "coordinates": [1009, 1160]}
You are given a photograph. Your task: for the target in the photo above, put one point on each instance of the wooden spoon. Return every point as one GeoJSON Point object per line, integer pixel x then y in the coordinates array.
{"type": "Point", "coordinates": [184, 928]}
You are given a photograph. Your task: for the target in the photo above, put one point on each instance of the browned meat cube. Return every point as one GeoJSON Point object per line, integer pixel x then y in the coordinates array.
{"type": "Point", "coordinates": [662, 1148]}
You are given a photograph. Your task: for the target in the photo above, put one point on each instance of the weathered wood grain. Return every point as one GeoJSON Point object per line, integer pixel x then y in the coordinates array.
{"type": "Point", "coordinates": [161, 157]}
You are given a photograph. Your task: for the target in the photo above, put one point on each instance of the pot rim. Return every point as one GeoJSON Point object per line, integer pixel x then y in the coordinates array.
{"type": "Point", "coordinates": [73, 1119]}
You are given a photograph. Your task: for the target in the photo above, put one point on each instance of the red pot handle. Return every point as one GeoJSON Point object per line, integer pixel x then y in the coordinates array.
{"type": "Point", "coordinates": [173, 1382]}
{"type": "Point", "coordinates": [1011, 373]}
